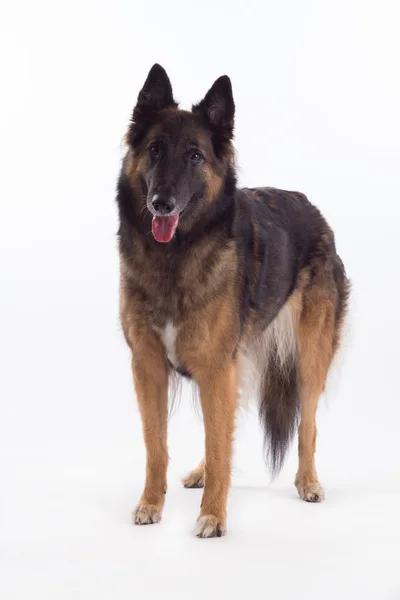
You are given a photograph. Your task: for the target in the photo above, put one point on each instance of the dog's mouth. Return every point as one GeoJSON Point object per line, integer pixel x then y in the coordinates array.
{"type": "Point", "coordinates": [163, 228]}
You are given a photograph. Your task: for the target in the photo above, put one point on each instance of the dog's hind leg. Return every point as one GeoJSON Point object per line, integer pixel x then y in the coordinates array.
{"type": "Point", "coordinates": [307, 482]}
{"type": "Point", "coordinates": [195, 479]}
{"type": "Point", "coordinates": [318, 332]}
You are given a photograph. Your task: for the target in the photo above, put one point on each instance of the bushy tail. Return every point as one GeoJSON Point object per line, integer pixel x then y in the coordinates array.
{"type": "Point", "coordinates": [279, 409]}
{"type": "Point", "coordinates": [279, 398]}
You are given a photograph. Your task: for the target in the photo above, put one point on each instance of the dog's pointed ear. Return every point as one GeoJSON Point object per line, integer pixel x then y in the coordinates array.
{"type": "Point", "coordinates": [218, 107]}
{"type": "Point", "coordinates": [155, 95]}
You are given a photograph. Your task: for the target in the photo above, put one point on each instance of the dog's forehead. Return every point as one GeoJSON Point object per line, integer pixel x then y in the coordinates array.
{"type": "Point", "coordinates": [180, 127]}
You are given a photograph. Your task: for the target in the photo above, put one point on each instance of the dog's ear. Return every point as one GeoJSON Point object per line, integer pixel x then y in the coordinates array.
{"type": "Point", "coordinates": [218, 108]}
{"type": "Point", "coordinates": [155, 95]}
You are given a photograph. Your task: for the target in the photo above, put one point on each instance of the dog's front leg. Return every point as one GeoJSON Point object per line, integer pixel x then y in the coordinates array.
{"type": "Point", "coordinates": [218, 392]}
{"type": "Point", "coordinates": [150, 376]}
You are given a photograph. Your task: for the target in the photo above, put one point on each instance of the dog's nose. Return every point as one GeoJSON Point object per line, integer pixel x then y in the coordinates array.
{"type": "Point", "coordinates": [163, 206]}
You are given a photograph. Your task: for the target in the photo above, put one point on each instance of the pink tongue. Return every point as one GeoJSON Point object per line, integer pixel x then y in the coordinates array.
{"type": "Point", "coordinates": [164, 227]}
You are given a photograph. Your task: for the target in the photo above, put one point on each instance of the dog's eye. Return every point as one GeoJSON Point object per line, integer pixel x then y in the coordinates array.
{"type": "Point", "coordinates": [154, 150]}
{"type": "Point", "coordinates": [196, 156]}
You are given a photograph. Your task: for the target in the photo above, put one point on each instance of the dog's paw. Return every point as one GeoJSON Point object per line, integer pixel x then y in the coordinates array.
{"type": "Point", "coordinates": [209, 526]}
{"type": "Point", "coordinates": [146, 514]}
{"type": "Point", "coordinates": [195, 479]}
{"type": "Point", "coordinates": [311, 493]}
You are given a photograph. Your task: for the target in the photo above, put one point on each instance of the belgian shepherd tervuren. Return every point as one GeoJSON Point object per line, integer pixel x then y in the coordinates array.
{"type": "Point", "coordinates": [225, 286]}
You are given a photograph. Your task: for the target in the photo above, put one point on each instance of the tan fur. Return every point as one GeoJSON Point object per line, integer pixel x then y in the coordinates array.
{"type": "Point", "coordinates": [316, 347]}
{"type": "Point", "coordinates": [135, 165]}
{"type": "Point", "coordinates": [206, 347]}
{"type": "Point", "coordinates": [214, 183]}
{"type": "Point", "coordinates": [218, 399]}
{"type": "Point", "coordinates": [150, 375]}
{"type": "Point", "coordinates": [195, 479]}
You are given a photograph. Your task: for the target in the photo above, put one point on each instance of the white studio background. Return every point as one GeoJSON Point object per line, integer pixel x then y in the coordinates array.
{"type": "Point", "coordinates": [317, 91]}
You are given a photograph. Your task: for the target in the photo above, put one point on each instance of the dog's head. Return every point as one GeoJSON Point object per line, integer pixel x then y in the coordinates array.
{"type": "Point", "coordinates": [178, 160]}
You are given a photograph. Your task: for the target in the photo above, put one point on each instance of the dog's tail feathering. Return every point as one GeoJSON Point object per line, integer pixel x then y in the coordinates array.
{"type": "Point", "coordinates": [279, 398]}
{"type": "Point", "coordinates": [273, 358]}
{"type": "Point", "coordinates": [279, 407]}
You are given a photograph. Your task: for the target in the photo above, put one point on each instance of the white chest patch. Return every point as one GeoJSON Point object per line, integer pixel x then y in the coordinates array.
{"type": "Point", "coordinates": [168, 336]}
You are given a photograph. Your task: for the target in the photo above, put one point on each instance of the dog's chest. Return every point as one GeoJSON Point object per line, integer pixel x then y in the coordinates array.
{"type": "Point", "coordinates": [168, 335]}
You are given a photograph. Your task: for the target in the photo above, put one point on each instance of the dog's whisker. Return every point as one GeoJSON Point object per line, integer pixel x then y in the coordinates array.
{"type": "Point", "coordinates": [143, 209]}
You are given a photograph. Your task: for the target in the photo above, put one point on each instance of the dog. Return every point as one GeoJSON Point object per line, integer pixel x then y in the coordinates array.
{"type": "Point", "coordinates": [222, 285]}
